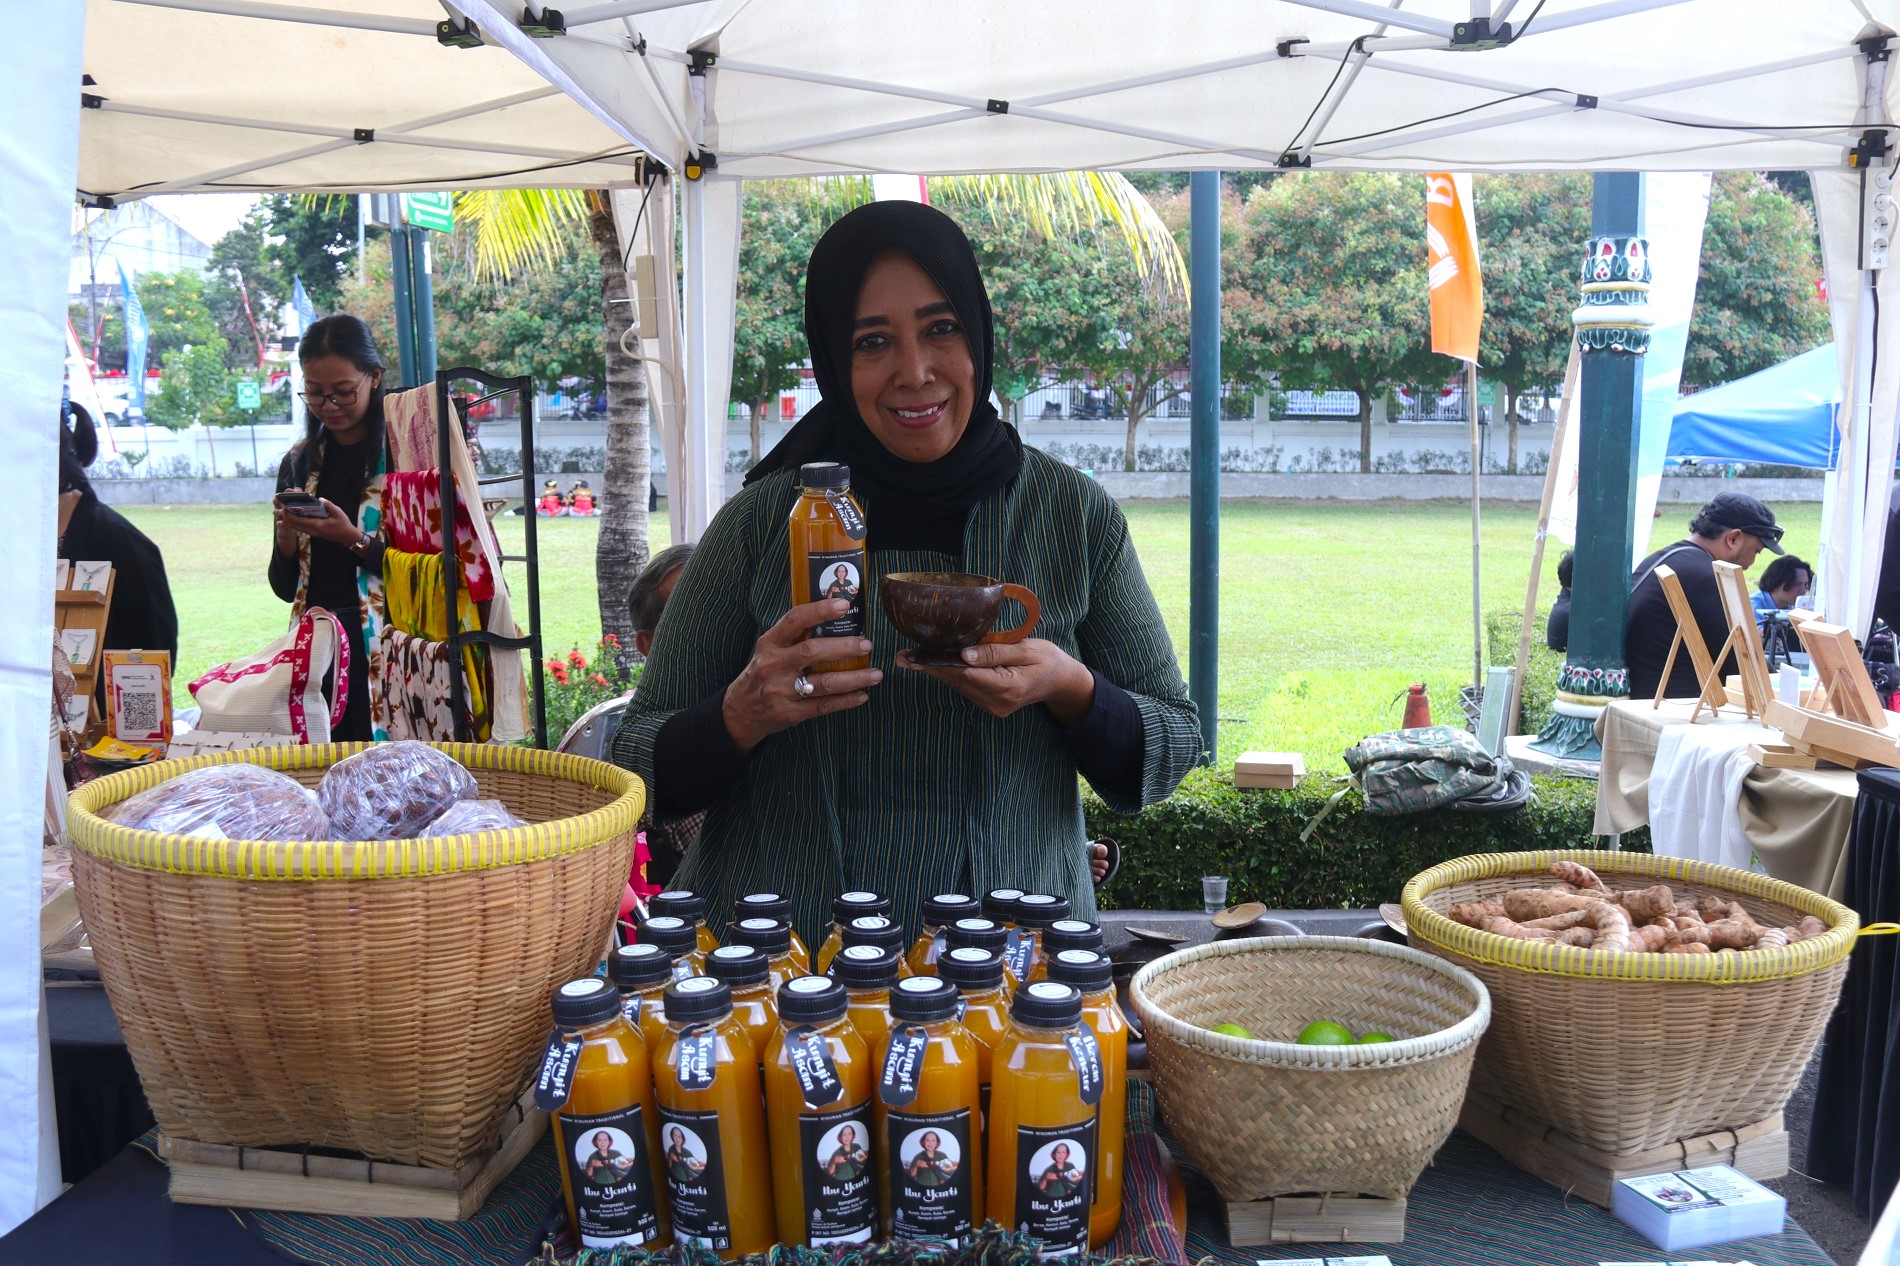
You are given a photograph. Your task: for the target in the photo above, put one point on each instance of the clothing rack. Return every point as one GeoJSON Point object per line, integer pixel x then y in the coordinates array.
{"type": "Point", "coordinates": [449, 430]}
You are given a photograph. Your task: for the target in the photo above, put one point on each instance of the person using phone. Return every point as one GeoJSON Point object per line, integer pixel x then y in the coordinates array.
{"type": "Point", "coordinates": [318, 549]}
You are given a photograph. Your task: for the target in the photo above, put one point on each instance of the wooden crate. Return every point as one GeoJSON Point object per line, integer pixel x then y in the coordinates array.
{"type": "Point", "coordinates": [1759, 1150]}
{"type": "Point", "coordinates": [1336, 1218]}
{"type": "Point", "coordinates": [290, 1181]}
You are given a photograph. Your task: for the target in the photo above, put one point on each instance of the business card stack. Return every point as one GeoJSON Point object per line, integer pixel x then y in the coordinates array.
{"type": "Point", "coordinates": [1691, 1207]}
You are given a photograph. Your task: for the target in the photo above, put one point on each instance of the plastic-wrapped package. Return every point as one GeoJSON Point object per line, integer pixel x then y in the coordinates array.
{"type": "Point", "coordinates": [391, 791]}
{"type": "Point", "coordinates": [241, 802]}
{"type": "Point", "coordinates": [465, 817]}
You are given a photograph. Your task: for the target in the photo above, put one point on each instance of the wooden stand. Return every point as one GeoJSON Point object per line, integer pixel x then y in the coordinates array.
{"type": "Point", "coordinates": [1689, 635]}
{"type": "Point", "coordinates": [86, 609]}
{"type": "Point", "coordinates": [1759, 1150]}
{"type": "Point", "coordinates": [1327, 1219]}
{"type": "Point", "coordinates": [288, 1180]}
{"type": "Point", "coordinates": [1842, 742]}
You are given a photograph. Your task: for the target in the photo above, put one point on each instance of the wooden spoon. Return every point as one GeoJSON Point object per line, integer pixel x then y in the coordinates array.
{"type": "Point", "coordinates": [1246, 914]}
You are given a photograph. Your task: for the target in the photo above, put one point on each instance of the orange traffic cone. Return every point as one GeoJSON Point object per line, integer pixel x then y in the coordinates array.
{"type": "Point", "coordinates": [1418, 707]}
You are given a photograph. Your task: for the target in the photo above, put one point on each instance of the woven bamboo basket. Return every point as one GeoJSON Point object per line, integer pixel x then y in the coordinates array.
{"type": "Point", "coordinates": [1627, 1052]}
{"type": "Point", "coordinates": [1270, 1117]}
{"type": "Point", "coordinates": [385, 997]}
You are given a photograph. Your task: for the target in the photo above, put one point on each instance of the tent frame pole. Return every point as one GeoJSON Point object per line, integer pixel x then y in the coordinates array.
{"type": "Point", "coordinates": [1204, 453]}
{"type": "Point", "coordinates": [594, 13]}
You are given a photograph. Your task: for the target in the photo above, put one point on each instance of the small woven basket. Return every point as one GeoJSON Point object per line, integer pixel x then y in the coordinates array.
{"type": "Point", "coordinates": [1625, 1052]}
{"type": "Point", "coordinates": [1270, 1117]}
{"type": "Point", "coordinates": [385, 997]}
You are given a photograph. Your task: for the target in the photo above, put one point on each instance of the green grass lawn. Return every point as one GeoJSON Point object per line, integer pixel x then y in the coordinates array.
{"type": "Point", "coordinates": [1328, 609]}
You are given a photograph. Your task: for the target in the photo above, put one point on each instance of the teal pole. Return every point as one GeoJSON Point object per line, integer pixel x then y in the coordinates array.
{"type": "Point", "coordinates": [405, 307]}
{"type": "Point", "coordinates": [422, 294]}
{"type": "Point", "coordinates": [1204, 380]}
{"type": "Point", "coordinates": [1613, 332]}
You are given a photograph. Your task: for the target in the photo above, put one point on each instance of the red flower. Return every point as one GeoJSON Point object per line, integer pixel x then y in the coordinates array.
{"type": "Point", "coordinates": [559, 673]}
{"type": "Point", "coordinates": [610, 640]}
{"type": "Point", "coordinates": [599, 680]}
{"type": "Point", "coordinates": [554, 663]}
{"type": "Point", "coordinates": [576, 660]}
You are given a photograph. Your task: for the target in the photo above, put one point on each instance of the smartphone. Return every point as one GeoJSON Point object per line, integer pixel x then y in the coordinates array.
{"type": "Point", "coordinates": [303, 504]}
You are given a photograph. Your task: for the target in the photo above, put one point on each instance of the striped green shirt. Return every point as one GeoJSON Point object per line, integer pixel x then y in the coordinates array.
{"type": "Point", "coordinates": [918, 791]}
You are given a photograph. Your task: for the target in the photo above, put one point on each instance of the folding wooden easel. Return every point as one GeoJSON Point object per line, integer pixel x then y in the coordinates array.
{"type": "Point", "coordinates": [1744, 636]}
{"type": "Point", "coordinates": [1689, 635]}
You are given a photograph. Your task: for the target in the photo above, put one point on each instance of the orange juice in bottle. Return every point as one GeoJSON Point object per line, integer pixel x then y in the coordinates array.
{"type": "Point", "coordinates": [771, 905]}
{"type": "Point", "coordinates": [940, 912]}
{"type": "Point", "coordinates": [642, 970]}
{"type": "Point", "coordinates": [1065, 934]}
{"type": "Point", "coordinates": [999, 905]}
{"type": "Point", "coordinates": [594, 1082]}
{"type": "Point", "coordinates": [1045, 1093]}
{"type": "Point", "coordinates": [844, 908]}
{"type": "Point", "coordinates": [868, 974]}
{"type": "Point", "coordinates": [747, 973]}
{"type": "Point", "coordinates": [712, 1123]}
{"type": "Point", "coordinates": [878, 931]}
{"type": "Point", "coordinates": [984, 1006]}
{"type": "Point", "coordinates": [689, 906]}
{"type": "Point", "coordinates": [928, 1131]}
{"type": "Point", "coordinates": [828, 554]}
{"type": "Point", "coordinates": [1034, 912]}
{"type": "Point", "coordinates": [818, 1113]}
{"type": "Point", "coordinates": [679, 939]}
{"type": "Point", "coordinates": [773, 938]}
{"type": "Point", "coordinates": [1094, 975]}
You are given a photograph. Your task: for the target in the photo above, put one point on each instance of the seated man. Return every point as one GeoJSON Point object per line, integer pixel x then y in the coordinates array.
{"type": "Point", "coordinates": [1733, 528]}
{"type": "Point", "coordinates": [1557, 628]}
{"type": "Point", "coordinates": [1783, 583]}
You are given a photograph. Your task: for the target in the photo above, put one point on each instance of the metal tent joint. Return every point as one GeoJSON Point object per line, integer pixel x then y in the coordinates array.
{"type": "Point", "coordinates": [1285, 47]}
{"type": "Point", "coordinates": [546, 25]}
{"type": "Point", "coordinates": [458, 33]}
{"type": "Point", "coordinates": [91, 101]}
{"type": "Point", "coordinates": [363, 135]}
{"type": "Point", "coordinates": [997, 107]}
{"type": "Point", "coordinates": [702, 60]}
{"type": "Point", "coordinates": [1478, 35]}
{"type": "Point", "coordinates": [1875, 48]}
{"type": "Point", "coordinates": [1869, 149]}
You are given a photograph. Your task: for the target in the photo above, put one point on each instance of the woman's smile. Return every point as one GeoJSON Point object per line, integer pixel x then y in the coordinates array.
{"type": "Point", "coordinates": [920, 415]}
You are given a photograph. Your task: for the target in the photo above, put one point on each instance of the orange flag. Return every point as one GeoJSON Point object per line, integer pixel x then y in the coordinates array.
{"type": "Point", "coordinates": [1451, 252]}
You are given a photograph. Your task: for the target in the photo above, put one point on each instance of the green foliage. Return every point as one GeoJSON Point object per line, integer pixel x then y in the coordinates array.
{"type": "Point", "coordinates": [779, 226]}
{"type": "Point", "coordinates": [1540, 674]}
{"type": "Point", "coordinates": [1040, 294]}
{"type": "Point", "coordinates": [1756, 303]}
{"type": "Point", "coordinates": [196, 387]}
{"type": "Point", "coordinates": [543, 322]}
{"type": "Point", "coordinates": [374, 298]}
{"type": "Point", "coordinates": [313, 238]}
{"type": "Point", "coordinates": [176, 310]}
{"type": "Point", "coordinates": [576, 685]}
{"type": "Point", "coordinates": [1352, 860]}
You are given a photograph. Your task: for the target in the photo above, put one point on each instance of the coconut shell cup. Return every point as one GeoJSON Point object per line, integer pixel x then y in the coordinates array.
{"type": "Point", "coordinates": [946, 613]}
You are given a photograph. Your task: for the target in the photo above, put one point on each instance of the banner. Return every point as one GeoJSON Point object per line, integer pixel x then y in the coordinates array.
{"type": "Point", "coordinates": [1451, 254]}
{"type": "Point", "coordinates": [300, 302]}
{"type": "Point", "coordinates": [138, 336]}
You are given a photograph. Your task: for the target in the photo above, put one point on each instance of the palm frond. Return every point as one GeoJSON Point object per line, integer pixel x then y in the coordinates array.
{"type": "Point", "coordinates": [518, 228]}
{"type": "Point", "coordinates": [1071, 202]}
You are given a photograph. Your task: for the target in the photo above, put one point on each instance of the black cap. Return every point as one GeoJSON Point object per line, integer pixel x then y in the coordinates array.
{"type": "Point", "coordinates": [1000, 904]}
{"type": "Point", "coordinates": [983, 934]}
{"type": "Point", "coordinates": [874, 929]}
{"type": "Point", "coordinates": [1071, 934]}
{"type": "Point", "coordinates": [1732, 510]}
{"type": "Point", "coordinates": [865, 967]}
{"type": "Point", "coordinates": [847, 906]}
{"type": "Point", "coordinates": [763, 905]}
{"type": "Point", "coordinates": [737, 965]}
{"type": "Point", "coordinates": [824, 475]}
{"type": "Point", "coordinates": [1047, 1004]}
{"type": "Point", "coordinates": [1039, 910]}
{"type": "Point", "coordinates": [679, 903]}
{"type": "Point", "coordinates": [811, 1000]}
{"type": "Point", "coordinates": [948, 907]}
{"type": "Point", "coordinates": [637, 966]}
{"type": "Point", "coordinates": [698, 998]}
{"type": "Point", "coordinates": [589, 1000]}
{"type": "Point", "coordinates": [772, 936]}
{"type": "Point", "coordinates": [923, 998]}
{"type": "Point", "coordinates": [971, 969]}
{"type": "Point", "coordinates": [671, 933]}
{"type": "Point", "coordinates": [1085, 969]}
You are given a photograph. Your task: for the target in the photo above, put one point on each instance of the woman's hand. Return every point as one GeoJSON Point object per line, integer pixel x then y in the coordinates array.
{"type": "Point", "coordinates": [1003, 678]}
{"type": "Point", "coordinates": [763, 699]}
{"type": "Point", "coordinates": [333, 526]}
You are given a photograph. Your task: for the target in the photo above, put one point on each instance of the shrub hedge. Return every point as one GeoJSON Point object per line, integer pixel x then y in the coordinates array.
{"type": "Point", "coordinates": [1540, 676]}
{"type": "Point", "coordinates": [1353, 860]}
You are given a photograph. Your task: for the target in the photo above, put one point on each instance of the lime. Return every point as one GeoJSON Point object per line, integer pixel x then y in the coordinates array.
{"type": "Point", "coordinates": [1231, 1030]}
{"type": "Point", "coordinates": [1325, 1033]}
{"type": "Point", "coordinates": [1374, 1038]}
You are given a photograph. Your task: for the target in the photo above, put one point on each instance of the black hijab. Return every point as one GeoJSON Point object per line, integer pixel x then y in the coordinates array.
{"type": "Point", "coordinates": [909, 505]}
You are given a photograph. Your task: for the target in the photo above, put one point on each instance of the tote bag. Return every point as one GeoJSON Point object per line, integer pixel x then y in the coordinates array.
{"type": "Point", "coordinates": [279, 690]}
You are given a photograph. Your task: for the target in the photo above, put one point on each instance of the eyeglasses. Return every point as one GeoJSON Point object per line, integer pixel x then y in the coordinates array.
{"type": "Point", "coordinates": [342, 399]}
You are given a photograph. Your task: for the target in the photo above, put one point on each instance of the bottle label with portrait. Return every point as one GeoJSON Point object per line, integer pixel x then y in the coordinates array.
{"type": "Point", "coordinates": [840, 1187]}
{"type": "Point", "coordinates": [838, 574]}
{"type": "Point", "coordinates": [1055, 1181]}
{"type": "Point", "coordinates": [696, 1178]}
{"type": "Point", "coordinates": [930, 1190]}
{"type": "Point", "coordinates": [614, 1200]}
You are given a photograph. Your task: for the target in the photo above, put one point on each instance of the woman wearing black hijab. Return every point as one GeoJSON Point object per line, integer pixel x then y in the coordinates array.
{"type": "Point", "coordinates": [904, 779]}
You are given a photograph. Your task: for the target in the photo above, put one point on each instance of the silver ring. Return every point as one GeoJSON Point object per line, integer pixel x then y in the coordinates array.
{"type": "Point", "coordinates": [802, 687]}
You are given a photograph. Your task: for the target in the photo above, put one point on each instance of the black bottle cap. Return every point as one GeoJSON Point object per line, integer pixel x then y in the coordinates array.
{"type": "Point", "coordinates": [698, 998]}
{"type": "Point", "coordinates": [1085, 969]}
{"type": "Point", "coordinates": [1071, 934]}
{"type": "Point", "coordinates": [983, 934]}
{"type": "Point", "coordinates": [589, 1000]}
{"type": "Point", "coordinates": [1047, 1004]}
{"type": "Point", "coordinates": [671, 933]}
{"type": "Point", "coordinates": [1000, 904]}
{"type": "Point", "coordinates": [919, 999]}
{"type": "Point", "coordinates": [847, 906]}
{"type": "Point", "coordinates": [763, 905]}
{"type": "Point", "coordinates": [679, 903]}
{"type": "Point", "coordinates": [865, 967]}
{"type": "Point", "coordinates": [637, 966]}
{"type": "Point", "coordinates": [773, 937]}
{"type": "Point", "coordinates": [811, 1000]}
{"type": "Point", "coordinates": [948, 907]}
{"type": "Point", "coordinates": [824, 475]}
{"type": "Point", "coordinates": [737, 965]}
{"type": "Point", "coordinates": [971, 969]}
{"type": "Point", "coordinates": [874, 929]}
{"type": "Point", "coordinates": [1039, 910]}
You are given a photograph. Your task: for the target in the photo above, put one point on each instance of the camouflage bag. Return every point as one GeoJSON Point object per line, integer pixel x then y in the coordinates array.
{"type": "Point", "coordinates": [1433, 767]}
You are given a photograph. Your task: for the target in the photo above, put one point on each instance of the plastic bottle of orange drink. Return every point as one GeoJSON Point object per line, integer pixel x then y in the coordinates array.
{"type": "Point", "coordinates": [1034, 912]}
{"type": "Point", "coordinates": [773, 938]}
{"type": "Point", "coordinates": [749, 976]}
{"type": "Point", "coordinates": [940, 912]}
{"type": "Point", "coordinates": [642, 971]}
{"type": "Point", "coordinates": [876, 930]}
{"type": "Point", "coordinates": [595, 1084]}
{"type": "Point", "coordinates": [828, 554]}
{"type": "Point", "coordinates": [690, 906]}
{"type": "Point", "coordinates": [1066, 934]}
{"type": "Point", "coordinates": [712, 1123]}
{"type": "Point", "coordinates": [1094, 975]}
{"type": "Point", "coordinates": [818, 1113]}
{"type": "Point", "coordinates": [928, 1129]}
{"type": "Point", "coordinates": [679, 939]}
{"type": "Point", "coordinates": [771, 905]}
{"type": "Point", "coordinates": [1045, 1089]}
{"type": "Point", "coordinates": [845, 907]}
{"type": "Point", "coordinates": [984, 1003]}
{"type": "Point", "coordinates": [868, 974]}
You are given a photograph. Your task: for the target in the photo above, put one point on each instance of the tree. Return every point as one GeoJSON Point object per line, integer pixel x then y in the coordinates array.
{"type": "Point", "coordinates": [1138, 346]}
{"type": "Point", "coordinates": [196, 387]}
{"type": "Point", "coordinates": [542, 322]}
{"type": "Point", "coordinates": [243, 262]}
{"type": "Point", "coordinates": [621, 552]}
{"type": "Point", "coordinates": [313, 238]}
{"type": "Point", "coordinates": [1531, 235]}
{"type": "Point", "coordinates": [1042, 299]}
{"type": "Point", "coordinates": [779, 226]}
{"type": "Point", "coordinates": [1335, 267]}
{"type": "Point", "coordinates": [1756, 303]}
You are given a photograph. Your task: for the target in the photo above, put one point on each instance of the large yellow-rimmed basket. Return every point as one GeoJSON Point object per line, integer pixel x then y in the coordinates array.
{"type": "Point", "coordinates": [384, 997]}
{"type": "Point", "coordinates": [1627, 1052]}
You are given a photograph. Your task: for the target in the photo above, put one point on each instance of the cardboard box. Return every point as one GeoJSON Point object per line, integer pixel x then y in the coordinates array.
{"type": "Point", "coordinates": [139, 697]}
{"type": "Point", "coordinates": [1691, 1207]}
{"type": "Point", "coordinates": [1279, 771]}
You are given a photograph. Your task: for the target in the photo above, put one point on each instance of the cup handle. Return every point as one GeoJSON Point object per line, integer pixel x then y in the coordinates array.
{"type": "Point", "coordinates": [1031, 604]}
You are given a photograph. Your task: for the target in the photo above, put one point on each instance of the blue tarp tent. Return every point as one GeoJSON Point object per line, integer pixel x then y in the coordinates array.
{"type": "Point", "coordinates": [1783, 415]}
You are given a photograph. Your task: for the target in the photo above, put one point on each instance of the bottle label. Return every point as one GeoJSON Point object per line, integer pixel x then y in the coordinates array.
{"type": "Point", "coordinates": [1055, 1180]}
{"type": "Point", "coordinates": [614, 1200]}
{"type": "Point", "coordinates": [555, 1082]}
{"type": "Point", "coordinates": [1019, 953]}
{"type": "Point", "coordinates": [903, 1063]}
{"type": "Point", "coordinates": [696, 1178]}
{"type": "Point", "coordinates": [1087, 1054]}
{"type": "Point", "coordinates": [930, 1190]}
{"type": "Point", "coordinates": [847, 511]}
{"type": "Point", "coordinates": [817, 1072]}
{"type": "Point", "coordinates": [698, 1059]}
{"type": "Point", "coordinates": [840, 1185]}
{"type": "Point", "coordinates": [838, 574]}
{"type": "Point", "coordinates": [630, 1008]}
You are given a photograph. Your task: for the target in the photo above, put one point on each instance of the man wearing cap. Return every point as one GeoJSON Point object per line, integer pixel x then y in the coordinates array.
{"type": "Point", "coordinates": [1733, 528]}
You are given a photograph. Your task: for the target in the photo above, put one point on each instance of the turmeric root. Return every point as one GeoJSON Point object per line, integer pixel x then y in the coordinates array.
{"type": "Point", "coordinates": [1578, 875]}
{"type": "Point", "coordinates": [1810, 926]}
{"type": "Point", "coordinates": [1562, 922]}
{"type": "Point", "coordinates": [1687, 947]}
{"type": "Point", "coordinates": [1651, 938]}
{"type": "Point", "coordinates": [1612, 925]}
{"type": "Point", "coordinates": [1647, 904]}
{"type": "Point", "coordinates": [1733, 934]}
{"type": "Point", "coordinates": [1528, 904]}
{"type": "Point", "coordinates": [1773, 938]}
{"type": "Point", "coordinates": [1582, 938]}
{"type": "Point", "coordinates": [1580, 910]}
{"type": "Point", "coordinates": [1473, 913]}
